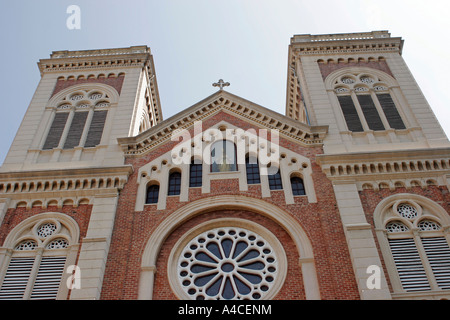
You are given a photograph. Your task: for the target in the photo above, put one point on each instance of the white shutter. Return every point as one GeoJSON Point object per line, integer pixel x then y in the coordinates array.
{"type": "Point", "coordinates": [48, 279]}
{"type": "Point", "coordinates": [409, 265]}
{"type": "Point", "coordinates": [438, 253]}
{"type": "Point", "coordinates": [16, 278]}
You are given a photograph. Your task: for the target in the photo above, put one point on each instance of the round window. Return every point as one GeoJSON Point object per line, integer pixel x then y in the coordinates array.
{"type": "Point", "coordinates": [229, 262]}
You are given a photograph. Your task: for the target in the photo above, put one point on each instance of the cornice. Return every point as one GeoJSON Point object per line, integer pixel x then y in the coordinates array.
{"type": "Point", "coordinates": [400, 164]}
{"type": "Point", "coordinates": [138, 56]}
{"type": "Point", "coordinates": [227, 102]}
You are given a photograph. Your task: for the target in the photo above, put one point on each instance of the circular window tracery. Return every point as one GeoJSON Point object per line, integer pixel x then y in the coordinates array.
{"type": "Point", "coordinates": [227, 263]}
{"type": "Point", "coordinates": [407, 211]}
{"type": "Point", "coordinates": [428, 225]}
{"type": "Point", "coordinates": [26, 245]}
{"type": "Point", "coordinates": [396, 226]}
{"type": "Point", "coordinates": [46, 229]}
{"type": "Point", "coordinates": [59, 243]}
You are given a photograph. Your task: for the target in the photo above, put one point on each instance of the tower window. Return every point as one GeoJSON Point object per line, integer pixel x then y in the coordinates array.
{"type": "Point", "coordinates": [79, 121]}
{"type": "Point", "coordinates": [152, 194]}
{"type": "Point", "coordinates": [367, 104]}
{"type": "Point", "coordinates": [174, 184]}
{"type": "Point", "coordinates": [252, 169]}
{"type": "Point", "coordinates": [298, 188]}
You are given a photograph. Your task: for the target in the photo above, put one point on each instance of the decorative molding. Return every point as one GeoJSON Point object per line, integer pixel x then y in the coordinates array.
{"type": "Point", "coordinates": [223, 101]}
{"type": "Point", "coordinates": [61, 183]}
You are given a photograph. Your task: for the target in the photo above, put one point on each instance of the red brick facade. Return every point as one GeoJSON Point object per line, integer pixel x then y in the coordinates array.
{"type": "Point", "coordinates": [320, 221]}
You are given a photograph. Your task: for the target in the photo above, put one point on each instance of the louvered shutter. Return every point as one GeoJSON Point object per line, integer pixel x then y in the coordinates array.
{"type": "Point", "coordinates": [48, 279]}
{"type": "Point", "coordinates": [16, 278]}
{"type": "Point", "coordinates": [409, 265]}
{"type": "Point", "coordinates": [370, 112]}
{"type": "Point", "coordinates": [56, 130]}
{"type": "Point", "coordinates": [350, 114]}
{"type": "Point", "coordinates": [76, 130]}
{"type": "Point", "coordinates": [390, 111]}
{"type": "Point", "coordinates": [438, 254]}
{"type": "Point", "coordinates": [96, 128]}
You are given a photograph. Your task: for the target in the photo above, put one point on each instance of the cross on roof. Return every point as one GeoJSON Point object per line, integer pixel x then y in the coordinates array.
{"type": "Point", "coordinates": [221, 84]}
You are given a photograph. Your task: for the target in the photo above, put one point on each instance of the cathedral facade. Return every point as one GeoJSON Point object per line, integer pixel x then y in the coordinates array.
{"type": "Point", "coordinates": [343, 197]}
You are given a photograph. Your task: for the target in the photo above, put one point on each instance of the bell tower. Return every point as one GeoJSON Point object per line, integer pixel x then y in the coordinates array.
{"type": "Point", "coordinates": [85, 100]}
{"type": "Point", "coordinates": [383, 139]}
{"type": "Point", "coordinates": [361, 87]}
{"type": "Point", "coordinates": [65, 168]}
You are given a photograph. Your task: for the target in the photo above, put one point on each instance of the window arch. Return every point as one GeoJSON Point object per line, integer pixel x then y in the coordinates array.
{"type": "Point", "coordinates": [366, 102]}
{"type": "Point", "coordinates": [152, 193]}
{"type": "Point", "coordinates": [415, 244]}
{"type": "Point", "coordinates": [223, 156]}
{"type": "Point", "coordinates": [41, 250]}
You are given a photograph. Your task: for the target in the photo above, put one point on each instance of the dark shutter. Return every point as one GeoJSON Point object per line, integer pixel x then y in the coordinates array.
{"type": "Point", "coordinates": [370, 112]}
{"type": "Point", "coordinates": [56, 130]}
{"type": "Point", "coordinates": [76, 130]}
{"type": "Point", "coordinates": [390, 111]}
{"type": "Point", "coordinates": [350, 113]}
{"type": "Point", "coordinates": [96, 129]}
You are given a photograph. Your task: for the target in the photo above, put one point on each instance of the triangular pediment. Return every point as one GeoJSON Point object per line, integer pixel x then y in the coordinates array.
{"type": "Point", "coordinates": [223, 101]}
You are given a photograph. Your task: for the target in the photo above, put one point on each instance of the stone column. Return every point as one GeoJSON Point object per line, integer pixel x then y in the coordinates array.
{"type": "Point", "coordinates": [360, 240]}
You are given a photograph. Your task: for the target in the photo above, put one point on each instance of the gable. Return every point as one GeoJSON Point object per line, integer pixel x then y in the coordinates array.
{"type": "Point", "coordinates": [226, 104]}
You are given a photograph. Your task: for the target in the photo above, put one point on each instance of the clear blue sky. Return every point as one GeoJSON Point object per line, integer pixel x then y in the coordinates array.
{"type": "Point", "coordinates": [197, 42]}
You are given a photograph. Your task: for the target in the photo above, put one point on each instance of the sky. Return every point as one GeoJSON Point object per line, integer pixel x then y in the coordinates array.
{"type": "Point", "coordinates": [197, 42]}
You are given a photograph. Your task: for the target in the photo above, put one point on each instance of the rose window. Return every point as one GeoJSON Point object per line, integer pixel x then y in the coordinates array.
{"type": "Point", "coordinates": [407, 211]}
{"type": "Point", "coordinates": [227, 263]}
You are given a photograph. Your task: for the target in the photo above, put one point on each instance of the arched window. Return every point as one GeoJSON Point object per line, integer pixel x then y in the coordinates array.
{"type": "Point", "coordinates": [252, 169]}
{"type": "Point", "coordinates": [40, 253]}
{"type": "Point", "coordinates": [223, 156]}
{"type": "Point", "coordinates": [234, 259]}
{"type": "Point", "coordinates": [195, 174]}
{"type": "Point", "coordinates": [417, 246]}
{"type": "Point", "coordinates": [366, 103]}
{"type": "Point", "coordinates": [174, 188]}
{"type": "Point", "coordinates": [298, 188]}
{"type": "Point", "coordinates": [79, 120]}
{"type": "Point", "coordinates": [152, 194]}
{"type": "Point", "coordinates": [275, 182]}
